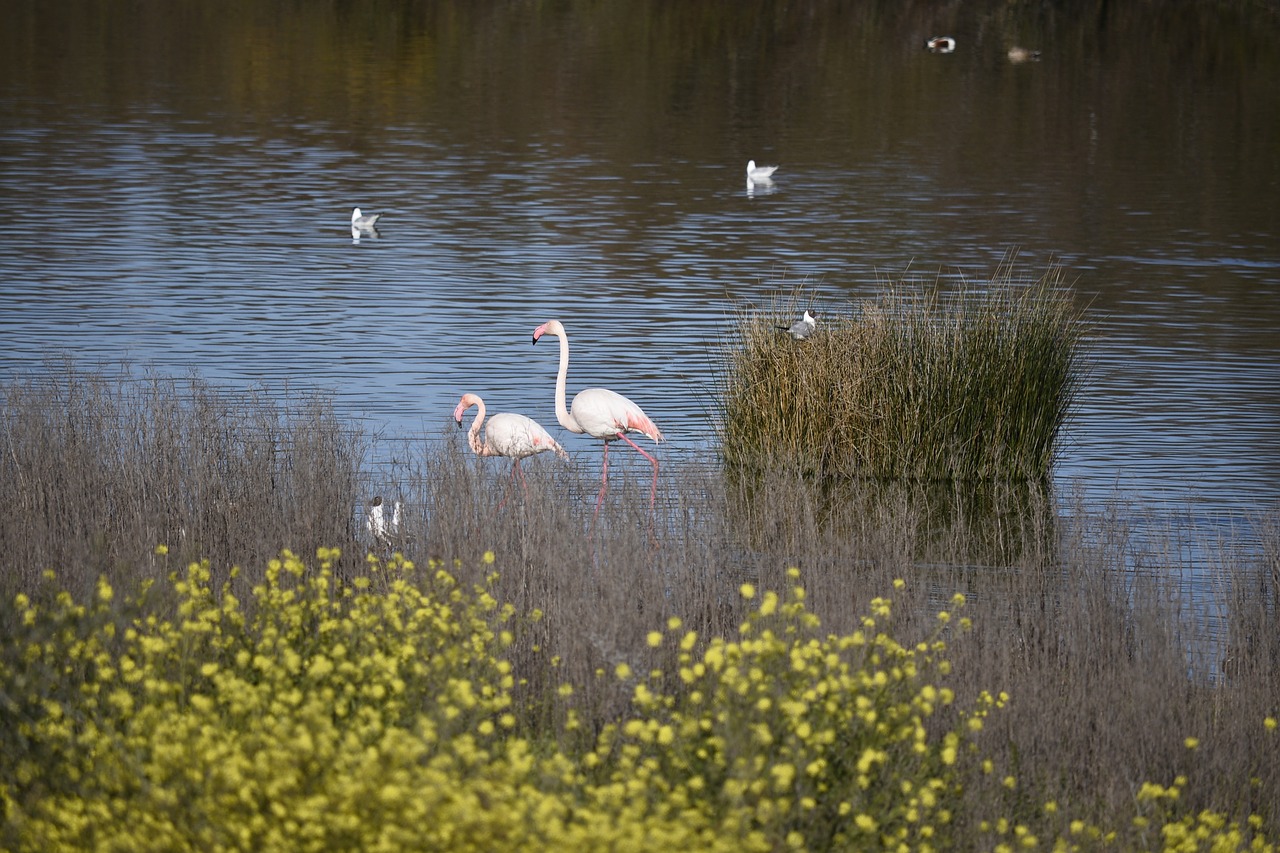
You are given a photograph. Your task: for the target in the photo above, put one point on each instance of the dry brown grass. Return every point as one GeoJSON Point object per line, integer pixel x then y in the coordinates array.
{"type": "Point", "coordinates": [100, 467]}
{"type": "Point", "coordinates": [1109, 660]}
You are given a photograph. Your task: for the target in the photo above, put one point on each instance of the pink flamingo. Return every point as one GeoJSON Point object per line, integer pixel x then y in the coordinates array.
{"type": "Point", "coordinates": [600, 413]}
{"type": "Point", "coordinates": [513, 436]}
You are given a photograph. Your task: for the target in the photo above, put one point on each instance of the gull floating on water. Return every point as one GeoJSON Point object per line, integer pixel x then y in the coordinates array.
{"type": "Point", "coordinates": [363, 222]}
{"type": "Point", "coordinates": [941, 44]}
{"type": "Point", "coordinates": [801, 328]}
{"type": "Point", "coordinates": [1022, 54]}
{"type": "Point", "coordinates": [763, 173]}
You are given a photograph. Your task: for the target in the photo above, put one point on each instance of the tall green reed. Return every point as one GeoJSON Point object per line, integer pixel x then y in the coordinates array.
{"type": "Point", "coordinates": [973, 383]}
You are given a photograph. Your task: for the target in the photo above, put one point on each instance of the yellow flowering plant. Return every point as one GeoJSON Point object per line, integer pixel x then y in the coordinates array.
{"type": "Point", "coordinates": [375, 713]}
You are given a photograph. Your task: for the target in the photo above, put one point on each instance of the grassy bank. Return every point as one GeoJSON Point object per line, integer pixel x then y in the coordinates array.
{"type": "Point", "coordinates": [555, 701]}
{"type": "Point", "coordinates": [100, 466]}
{"type": "Point", "coordinates": [974, 383]}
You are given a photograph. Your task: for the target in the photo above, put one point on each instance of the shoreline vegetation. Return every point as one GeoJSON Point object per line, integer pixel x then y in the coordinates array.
{"type": "Point", "coordinates": [784, 661]}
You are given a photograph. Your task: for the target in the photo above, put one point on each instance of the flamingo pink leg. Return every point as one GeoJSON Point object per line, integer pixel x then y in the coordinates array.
{"type": "Point", "coordinates": [653, 490]}
{"type": "Point", "coordinates": [604, 474]}
{"type": "Point", "coordinates": [515, 472]}
{"type": "Point", "coordinates": [604, 483]}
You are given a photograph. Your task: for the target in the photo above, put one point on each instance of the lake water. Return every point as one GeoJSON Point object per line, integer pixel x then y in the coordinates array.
{"type": "Point", "coordinates": [179, 178]}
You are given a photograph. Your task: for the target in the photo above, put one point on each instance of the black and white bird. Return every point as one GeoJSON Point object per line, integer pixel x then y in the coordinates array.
{"type": "Point", "coordinates": [940, 44]}
{"type": "Point", "coordinates": [801, 328]}
{"type": "Point", "coordinates": [362, 221]}
{"type": "Point", "coordinates": [375, 523]}
{"type": "Point", "coordinates": [384, 533]}
{"type": "Point", "coordinates": [394, 527]}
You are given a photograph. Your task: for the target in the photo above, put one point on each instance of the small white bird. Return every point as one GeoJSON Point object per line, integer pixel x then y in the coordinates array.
{"type": "Point", "coordinates": [1019, 55]}
{"type": "Point", "coordinates": [941, 44]}
{"type": "Point", "coordinates": [394, 527]}
{"type": "Point", "coordinates": [801, 328]}
{"type": "Point", "coordinates": [763, 173]}
{"type": "Point", "coordinates": [363, 222]}
{"type": "Point", "coordinates": [376, 524]}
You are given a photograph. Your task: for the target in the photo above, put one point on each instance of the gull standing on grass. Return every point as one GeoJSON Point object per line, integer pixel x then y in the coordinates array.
{"type": "Point", "coordinates": [801, 328]}
{"type": "Point", "coordinates": [393, 528]}
{"type": "Point", "coordinates": [376, 523]}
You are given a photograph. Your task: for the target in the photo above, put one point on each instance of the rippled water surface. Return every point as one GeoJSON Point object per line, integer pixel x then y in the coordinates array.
{"type": "Point", "coordinates": [179, 193]}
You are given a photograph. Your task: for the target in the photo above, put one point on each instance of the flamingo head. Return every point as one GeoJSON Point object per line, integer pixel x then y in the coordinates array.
{"type": "Point", "coordinates": [551, 327]}
{"type": "Point", "coordinates": [467, 401]}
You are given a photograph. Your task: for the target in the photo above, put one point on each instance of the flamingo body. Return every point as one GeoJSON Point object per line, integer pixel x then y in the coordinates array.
{"type": "Point", "coordinates": [506, 434]}
{"type": "Point", "coordinates": [600, 413]}
{"type": "Point", "coordinates": [604, 414]}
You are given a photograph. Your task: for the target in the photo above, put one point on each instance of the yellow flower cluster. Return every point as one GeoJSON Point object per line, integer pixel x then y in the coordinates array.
{"type": "Point", "coordinates": [376, 714]}
{"type": "Point", "coordinates": [830, 737]}
{"type": "Point", "coordinates": [323, 717]}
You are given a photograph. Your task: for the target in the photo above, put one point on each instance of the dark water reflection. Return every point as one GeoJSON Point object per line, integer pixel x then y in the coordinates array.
{"type": "Point", "coordinates": [180, 177]}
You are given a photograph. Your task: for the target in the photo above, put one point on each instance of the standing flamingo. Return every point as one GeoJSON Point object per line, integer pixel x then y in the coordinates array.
{"type": "Point", "coordinates": [510, 435]}
{"type": "Point", "coordinates": [600, 413]}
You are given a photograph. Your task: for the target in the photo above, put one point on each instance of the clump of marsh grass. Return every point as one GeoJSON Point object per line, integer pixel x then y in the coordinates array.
{"type": "Point", "coordinates": [970, 384]}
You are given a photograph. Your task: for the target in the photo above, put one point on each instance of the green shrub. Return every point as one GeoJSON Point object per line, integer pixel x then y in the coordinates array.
{"type": "Point", "coordinates": [976, 384]}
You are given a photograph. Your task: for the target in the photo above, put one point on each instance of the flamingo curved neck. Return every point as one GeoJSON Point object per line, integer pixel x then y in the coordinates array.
{"type": "Point", "coordinates": [473, 434]}
{"type": "Point", "coordinates": [562, 412]}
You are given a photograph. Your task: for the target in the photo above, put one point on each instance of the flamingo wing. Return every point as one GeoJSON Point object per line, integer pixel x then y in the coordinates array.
{"type": "Point", "coordinates": [604, 414]}
{"type": "Point", "coordinates": [518, 437]}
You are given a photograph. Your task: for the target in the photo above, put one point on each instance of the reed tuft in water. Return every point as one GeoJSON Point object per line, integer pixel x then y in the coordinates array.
{"type": "Point", "coordinates": [970, 384]}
